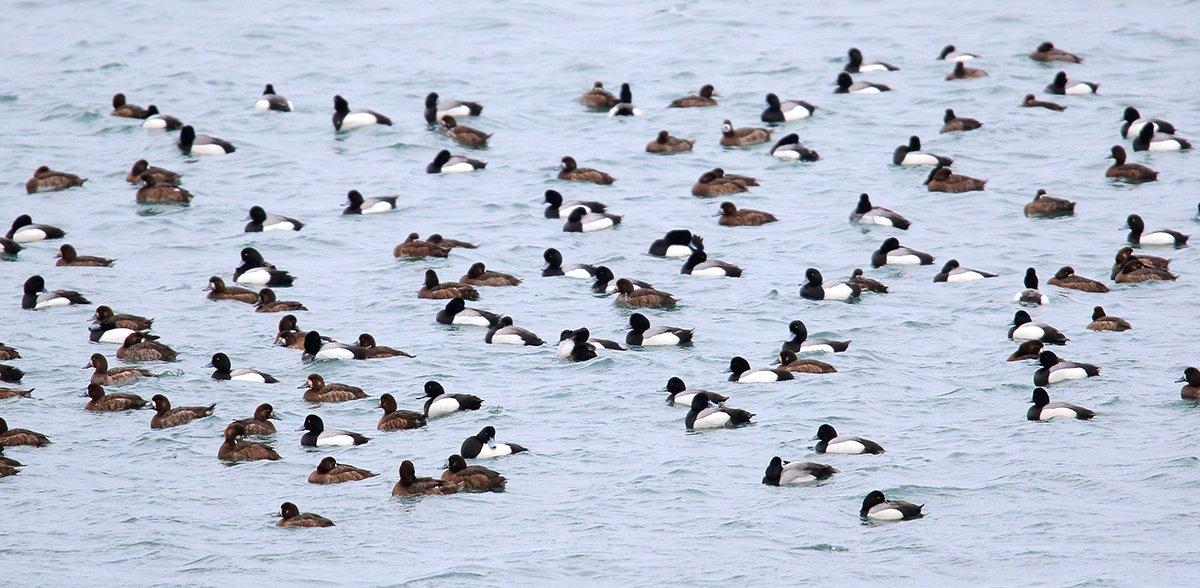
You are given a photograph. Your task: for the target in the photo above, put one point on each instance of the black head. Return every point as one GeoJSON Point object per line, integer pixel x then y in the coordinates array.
{"type": "Point", "coordinates": [697, 257]}
{"type": "Point", "coordinates": [220, 361]}
{"type": "Point", "coordinates": [313, 424]}
{"type": "Point", "coordinates": [639, 322]}
{"type": "Point", "coordinates": [857, 273]}
{"type": "Point", "coordinates": [864, 204]}
{"type": "Point", "coordinates": [1031, 280]}
{"type": "Point", "coordinates": [354, 197]}
{"type": "Point", "coordinates": [626, 94]}
{"type": "Point", "coordinates": [813, 276]}
{"type": "Point", "coordinates": [889, 244]}
{"type": "Point", "coordinates": [312, 342]}
{"type": "Point", "coordinates": [441, 158]}
{"type": "Point", "coordinates": [1134, 222]}
{"type": "Point", "coordinates": [773, 100]}
{"type": "Point", "coordinates": [366, 340]}
{"type": "Point", "coordinates": [270, 89]}
{"type": "Point", "coordinates": [675, 385]}
{"type": "Point", "coordinates": [35, 285]}
{"type": "Point", "coordinates": [678, 237]}
{"type": "Point", "coordinates": [1021, 317]}
{"type": "Point", "coordinates": [251, 256]}
{"type": "Point", "coordinates": [1132, 114]}
{"type": "Point", "coordinates": [826, 432]}
{"type": "Point", "coordinates": [873, 499]}
{"type": "Point", "coordinates": [706, 91]}
{"type": "Point", "coordinates": [1118, 153]}
{"type": "Point", "coordinates": [1191, 375]}
{"type": "Point", "coordinates": [151, 110]}
{"type": "Point", "coordinates": [1040, 397]}
{"type": "Point", "coordinates": [949, 266]}
{"type": "Point", "coordinates": [288, 510]}
{"type": "Point", "coordinates": [576, 215]}
{"type": "Point", "coordinates": [1045, 46]}
{"type": "Point", "coordinates": [798, 329]}
{"type": "Point", "coordinates": [855, 56]}
{"type": "Point", "coordinates": [431, 100]}
{"type": "Point", "coordinates": [257, 214]}
{"type": "Point", "coordinates": [948, 49]}
{"type": "Point", "coordinates": [552, 257]}
{"type": "Point", "coordinates": [914, 143]}
{"type": "Point", "coordinates": [434, 389]}
{"type": "Point", "coordinates": [553, 198]}
{"type": "Point", "coordinates": [604, 274]}
{"type": "Point", "coordinates": [700, 402]}
{"type": "Point", "coordinates": [738, 365]}
{"type": "Point", "coordinates": [488, 432]}
{"type": "Point", "coordinates": [22, 221]}
{"type": "Point", "coordinates": [960, 68]}
{"type": "Point", "coordinates": [1047, 358]}
{"type": "Point", "coordinates": [340, 104]}
{"type": "Point", "coordinates": [431, 278]}
{"type": "Point", "coordinates": [504, 321]}
{"type": "Point", "coordinates": [844, 81]}
{"type": "Point", "coordinates": [456, 463]}
{"type": "Point", "coordinates": [1060, 78]}
{"type": "Point", "coordinates": [1146, 133]}
{"type": "Point", "coordinates": [455, 305]}
{"type": "Point", "coordinates": [774, 469]}
{"type": "Point", "coordinates": [187, 135]}
{"type": "Point", "coordinates": [118, 100]}
{"type": "Point", "coordinates": [949, 116]}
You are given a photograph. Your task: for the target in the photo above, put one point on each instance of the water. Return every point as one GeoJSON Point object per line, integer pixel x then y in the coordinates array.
{"type": "Point", "coordinates": [614, 488]}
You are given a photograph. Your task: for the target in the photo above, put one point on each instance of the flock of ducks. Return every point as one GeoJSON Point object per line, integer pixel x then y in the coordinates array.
{"type": "Point", "coordinates": [254, 282]}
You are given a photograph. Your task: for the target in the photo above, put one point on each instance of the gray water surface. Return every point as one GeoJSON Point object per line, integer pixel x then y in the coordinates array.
{"type": "Point", "coordinates": [614, 489]}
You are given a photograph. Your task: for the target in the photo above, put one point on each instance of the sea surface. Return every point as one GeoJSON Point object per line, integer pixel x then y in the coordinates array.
{"type": "Point", "coordinates": [614, 489]}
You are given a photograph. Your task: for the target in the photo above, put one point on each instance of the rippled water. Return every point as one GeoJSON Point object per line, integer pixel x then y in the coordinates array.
{"type": "Point", "coordinates": [613, 487]}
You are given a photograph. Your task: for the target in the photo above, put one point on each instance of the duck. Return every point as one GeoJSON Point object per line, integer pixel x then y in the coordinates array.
{"type": "Point", "coordinates": [1066, 277]}
{"type": "Point", "coordinates": [356, 204]}
{"type": "Point", "coordinates": [394, 419]}
{"type": "Point", "coordinates": [68, 257]}
{"type": "Point", "coordinates": [790, 363]}
{"type": "Point", "coordinates": [1031, 101]}
{"type": "Point", "coordinates": [740, 371]}
{"type": "Point", "coordinates": [8, 352]}
{"type": "Point", "coordinates": [6, 393]}
{"type": "Point", "coordinates": [1191, 387]}
{"type": "Point", "coordinates": [951, 53]}
{"type": "Point", "coordinates": [702, 415]}
{"type": "Point", "coordinates": [290, 516]}
{"type": "Point", "coordinates": [10, 374]}
{"type": "Point", "coordinates": [1135, 271]}
{"type": "Point", "coordinates": [698, 264]}
{"type": "Point", "coordinates": [483, 445]}
{"type": "Point", "coordinates": [962, 72]}
{"type": "Point", "coordinates": [329, 471]}
{"type": "Point", "coordinates": [127, 321]}
{"type": "Point", "coordinates": [436, 109]}
{"type": "Point", "coordinates": [414, 247]}
{"type": "Point", "coordinates": [555, 267]}
{"type": "Point", "coordinates": [445, 163]}
{"type": "Point", "coordinates": [259, 424]}
{"type": "Point", "coordinates": [440, 404]}
{"type": "Point", "coordinates": [1055, 369]}
{"type": "Point", "coordinates": [846, 85]}
{"type": "Point", "coordinates": [410, 485]}
{"type": "Point", "coordinates": [630, 296]}
{"type": "Point", "coordinates": [261, 221]}
{"type": "Point", "coordinates": [743, 136]}
{"type": "Point", "coordinates": [665, 144]}
{"type": "Point", "coordinates": [556, 208]}
{"type": "Point", "coordinates": [1149, 140]}
{"type": "Point", "coordinates": [675, 243]}
{"type": "Point", "coordinates": [289, 334]}
{"type": "Point", "coordinates": [24, 230]}
{"type": "Point", "coordinates": [1027, 351]}
{"type": "Point", "coordinates": [800, 343]}
{"type": "Point", "coordinates": [441, 241]}
{"type": "Point", "coordinates": [855, 63]}
{"type": "Point", "coordinates": [8, 247]}
{"type": "Point", "coordinates": [624, 105]}
{"type": "Point", "coordinates": [268, 302]}
{"type": "Point", "coordinates": [345, 119]}
{"type": "Point", "coordinates": [1139, 236]}
{"type": "Point", "coordinates": [1130, 172]}
{"type": "Point", "coordinates": [890, 252]}
{"type": "Point", "coordinates": [159, 121]}
{"type": "Point", "coordinates": [105, 376]}
{"type": "Point", "coordinates": [464, 135]}
{"type": "Point", "coordinates": [1101, 321]}
{"type": "Point", "coordinates": [642, 334]}
{"type": "Point", "coordinates": [166, 417]}
{"type": "Point", "coordinates": [828, 441]}
{"type": "Point", "coordinates": [217, 290]}
{"type": "Point", "coordinates": [318, 348]}
{"type": "Point", "coordinates": [224, 370]}
{"type": "Point", "coordinates": [375, 351]}
{"type": "Point", "coordinates": [911, 154]}
{"type": "Point", "coordinates": [731, 216]}
{"type": "Point", "coordinates": [123, 109]}
{"type": "Point", "coordinates": [815, 288]}
{"type": "Point", "coordinates": [678, 394]}
{"type": "Point", "coordinates": [710, 185]}
{"type": "Point", "coordinates": [1046, 51]}
{"type": "Point", "coordinates": [1132, 127]}
{"type": "Point", "coordinates": [471, 478]}
{"type": "Point", "coordinates": [789, 148]}
{"type": "Point", "coordinates": [1044, 410]}
{"type": "Point", "coordinates": [161, 175]}
{"type": "Point", "coordinates": [316, 435]}
{"type": "Point", "coordinates": [941, 179]}
{"type": "Point", "coordinates": [952, 123]}
{"type": "Point", "coordinates": [502, 332]}
{"type": "Point", "coordinates": [877, 507]}
{"type": "Point", "coordinates": [109, 330]}
{"type": "Point", "coordinates": [1062, 86]}
{"type": "Point", "coordinates": [192, 144]}
{"type": "Point", "coordinates": [787, 473]}
{"type": "Point", "coordinates": [457, 313]}
{"type": "Point", "coordinates": [578, 345]}
{"type": "Point", "coordinates": [1047, 206]}
{"type": "Point", "coordinates": [570, 171]}
{"type": "Point", "coordinates": [152, 192]}
{"type": "Point", "coordinates": [20, 437]}
{"type": "Point", "coordinates": [953, 272]}
{"type": "Point", "coordinates": [866, 213]}
{"type": "Point", "coordinates": [597, 98]}
{"type": "Point", "coordinates": [1031, 295]}
{"type": "Point", "coordinates": [479, 275]}
{"type": "Point", "coordinates": [48, 180]}
{"type": "Point", "coordinates": [98, 401]}
{"type": "Point", "coordinates": [786, 111]}
{"type": "Point", "coordinates": [1024, 329]}
{"type": "Point", "coordinates": [434, 289]}
{"type": "Point", "coordinates": [703, 99]}
{"type": "Point", "coordinates": [272, 101]}
{"type": "Point", "coordinates": [38, 297]}
{"type": "Point", "coordinates": [748, 181]}
{"type": "Point", "coordinates": [866, 284]}
{"type": "Point", "coordinates": [256, 271]}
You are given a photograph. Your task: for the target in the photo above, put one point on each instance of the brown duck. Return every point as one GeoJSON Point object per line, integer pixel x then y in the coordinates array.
{"type": "Point", "coordinates": [666, 144]}
{"type": "Point", "coordinates": [436, 290]}
{"type": "Point", "coordinates": [161, 175]}
{"type": "Point", "coordinates": [329, 471]}
{"type": "Point", "coordinates": [414, 247]}
{"type": "Point", "coordinates": [396, 420]}
{"type": "Point", "coordinates": [153, 192]}
{"type": "Point", "coordinates": [743, 136]}
{"type": "Point", "coordinates": [48, 180]}
{"type": "Point", "coordinates": [570, 171]}
{"type": "Point", "coordinates": [144, 347]}
{"type": "Point", "coordinates": [15, 437]}
{"type": "Point", "coordinates": [479, 275]}
{"type": "Point", "coordinates": [375, 351]}
{"type": "Point", "coordinates": [1046, 206]}
{"type": "Point", "coordinates": [290, 516]}
{"type": "Point", "coordinates": [464, 135]}
{"type": "Point", "coordinates": [788, 362]}
{"type": "Point", "coordinates": [101, 402]}
{"type": "Point", "coordinates": [732, 216]}
{"type": "Point", "coordinates": [68, 257]}
{"type": "Point", "coordinates": [472, 478]}
{"type": "Point", "coordinates": [219, 291]}
{"type": "Point", "coordinates": [1066, 277]}
{"type": "Point", "coordinates": [1130, 172]}
{"type": "Point", "coordinates": [411, 485]}
{"type": "Point", "coordinates": [941, 179]}
{"type": "Point", "coordinates": [166, 417]}
{"type": "Point", "coordinates": [260, 424]}
{"type": "Point", "coordinates": [104, 376]}
{"type": "Point", "coordinates": [316, 390]}
{"type": "Point", "coordinates": [709, 185]}
{"type": "Point", "coordinates": [122, 321]}
{"type": "Point", "coordinates": [236, 449]}
{"type": "Point", "coordinates": [705, 98]}
{"type": "Point", "coordinates": [267, 302]}
{"type": "Point", "coordinates": [631, 297]}
{"type": "Point", "coordinates": [1102, 322]}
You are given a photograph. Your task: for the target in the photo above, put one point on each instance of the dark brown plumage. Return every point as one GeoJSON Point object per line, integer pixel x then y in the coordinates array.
{"type": "Point", "coordinates": [597, 98]}
{"type": "Point", "coordinates": [267, 302]}
{"type": "Point", "coordinates": [464, 135]}
{"type": "Point", "coordinates": [941, 179]}
{"type": "Point", "coordinates": [1047, 52]}
{"type": "Point", "coordinates": [416, 248]}
{"type": "Point", "coordinates": [394, 419]}
{"type": "Point", "coordinates": [1045, 206]}
{"type": "Point", "coordinates": [329, 471]}
{"type": "Point", "coordinates": [123, 109]}
{"type": "Point", "coordinates": [1102, 322]}
{"type": "Point", "coordinates": [962, 72]}
{"type": "Point", "coordinates": [705, 98]}
{"type": "Point", "coordinates": [433, 289]}
{"type": "Point", "coordinates": [219, 291]}
{"type": "Point", "coordinates": [104, 376]}
{"type": "Point", "coordinates": [666, 144]}
{"type": "Point", "coordinates": [1031, 102]}
{"type": "Point", "coordinates": [375, 351]}
{"type": "Point", "coordinates": [472, 478]}
{"type": "Point", "coordinates": [67, 257]}
{"type": "Point", "coordinates": [16, 437]}
{"type": "Point", "coordinates": [952, 123]}
{"type": "Point", "coordinates": [866, 284]}
{"type": "Point", "coordinates": [153, 192]}
{"type": "Point", "coordinates": [1135, 271]}
{"type": "Point", "coordinates": [479, 275]}
{"type": "Point", "coordinates": [1026, 351]}
{"type": "Point", "coordinates": [6, 393]}
{"type": "Point", "coordinates": [710, 185]}
{"type": "Point", "coordinates": [631, 297]}
{"type": "Point", "coordinates": [1125, 255]}
{"type": "Point", "coordinates": [316, 390]}
{"type": "Point", "coordinates": [101, 402]}
{"type": "Point", "coordinates": [144, 347]}
{"type": "Point", "coordinates": [236, 449]}
{"type": "Point", "coordinates": [441, 241]}
{"type": "Point", "coordinates": [48, 180]}
{"type": "Point", "coordinates": [122, 321]}
{"type": "Point", "coordinates": [410, 485]}
{"type": "Point", "coordinates": [7, 352]}
{"type": "Point", "coordinates": [1130, 172]}
{"type": "Point", "coordinates": [732, 216]}
{"type": "Point", "coordinates": [1066, 277]}
{"type": "Point", "coordinates": [166, 417]}
{"type": "Point", "coordinates": [570, 171]}
{"type": "Point", "coordinates": [290, 516]}
{"type": "Point", "coordinates": [788, 362]}
{"type": "Point", "coordinates": [260, 424]}
{"type": "Point", "coordinates": [743, 136]}
{"type": "Point", "coordinates": [161, 175]}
